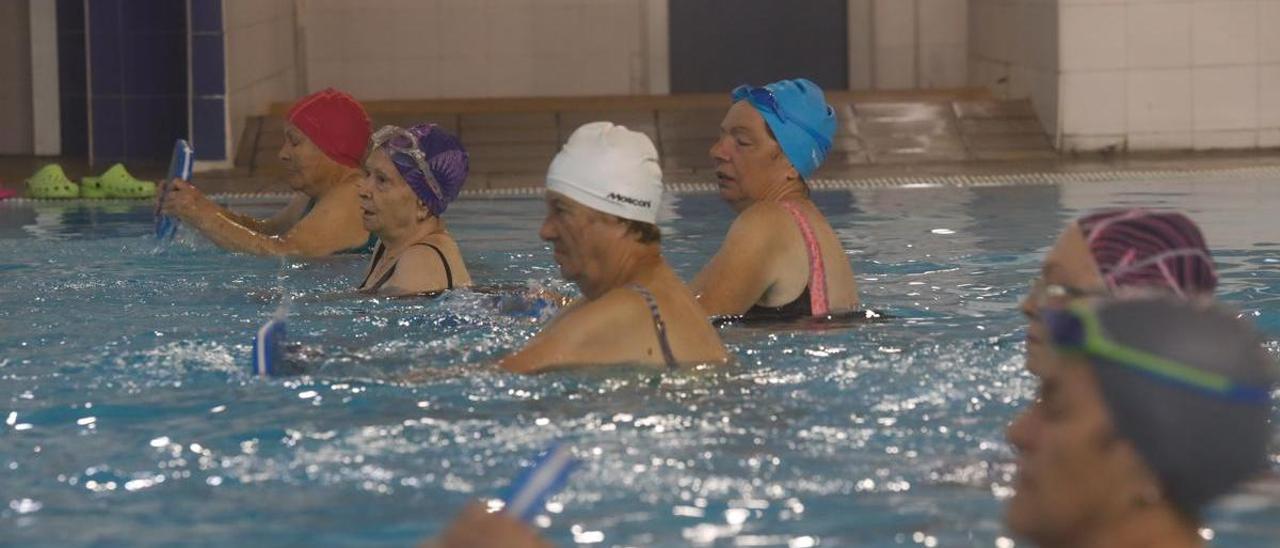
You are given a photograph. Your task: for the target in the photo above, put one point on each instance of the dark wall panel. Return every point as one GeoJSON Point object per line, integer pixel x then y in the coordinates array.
{"type": "Point", "coordinates": [137, 78]}
{"type": "Point", "coordinates": [73, 85]}
{"type": "Point", "coordinates": [718, 44]}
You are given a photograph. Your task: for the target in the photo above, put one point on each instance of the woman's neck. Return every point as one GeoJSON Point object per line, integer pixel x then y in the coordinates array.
{"type": "Point", "coordinates": [1158, 526]}
{"type": "Point", "coordinates": [792, 189]}
{"type": "Point", "coordinates": [338, 179]}
{"type": "Point", "coordinates": [631, 263]}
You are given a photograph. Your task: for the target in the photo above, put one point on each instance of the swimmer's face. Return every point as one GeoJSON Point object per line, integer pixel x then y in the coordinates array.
{"type": "Point", "coordinates": [1070, 266]}
{"type": "Point", "coordinates": [304, 162]}
{"type": "Point", "coordinates": [1073, 472]}
{"type": "Point", "coordinates": [749, 162]}
{"type": "Point", "coordinates": [387, 202]}
{"type": "Point", "coordinates": [580, 237]}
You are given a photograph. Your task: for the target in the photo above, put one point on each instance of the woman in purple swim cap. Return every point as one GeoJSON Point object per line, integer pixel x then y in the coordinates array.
{"type": "Point", "coordinates": [1117, 251]}
{"type": "Point", "coordinates": [410, 178]}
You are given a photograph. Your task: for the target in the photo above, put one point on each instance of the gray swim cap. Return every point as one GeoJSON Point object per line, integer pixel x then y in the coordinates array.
{"type": "Point", "coordinates": [1188, 384]}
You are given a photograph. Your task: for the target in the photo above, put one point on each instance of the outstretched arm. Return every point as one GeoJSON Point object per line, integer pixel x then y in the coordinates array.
{"type": "Point", "coordinates": [316, 235]}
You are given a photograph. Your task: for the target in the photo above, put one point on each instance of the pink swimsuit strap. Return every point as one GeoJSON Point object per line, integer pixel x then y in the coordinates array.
{"type": "Point", "coordinates": [817, 271]}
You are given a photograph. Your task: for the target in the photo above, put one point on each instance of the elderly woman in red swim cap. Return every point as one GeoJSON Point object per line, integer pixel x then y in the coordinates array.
{"type": "Point", "coordinates": [1117, 251]}
{"type": "Point", "coordinates": [325, 138]}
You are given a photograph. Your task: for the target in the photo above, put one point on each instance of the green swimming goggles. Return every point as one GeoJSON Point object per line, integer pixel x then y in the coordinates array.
{"type": "Point", "coordinates": [1077, 328]}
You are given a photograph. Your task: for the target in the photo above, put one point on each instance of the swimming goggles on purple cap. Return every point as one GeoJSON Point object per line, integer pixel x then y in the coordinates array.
{"type": "Point", "coordinates": [403, 141]}
{"type": "Point", "coordinates": [763, 97]}
{"type": "Point", "coordinates": [1078, 329]}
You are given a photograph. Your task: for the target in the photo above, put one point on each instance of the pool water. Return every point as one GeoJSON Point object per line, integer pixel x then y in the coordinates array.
{"type": "Point", "coordinates": [131, 416]}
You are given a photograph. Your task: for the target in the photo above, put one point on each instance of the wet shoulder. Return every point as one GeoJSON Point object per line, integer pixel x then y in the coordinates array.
{"type": "Point", "coordinates": [762, 221]}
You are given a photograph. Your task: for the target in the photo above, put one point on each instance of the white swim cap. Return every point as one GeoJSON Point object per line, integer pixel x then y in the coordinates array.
{"type": "Point", "coordinates": [610, 169]}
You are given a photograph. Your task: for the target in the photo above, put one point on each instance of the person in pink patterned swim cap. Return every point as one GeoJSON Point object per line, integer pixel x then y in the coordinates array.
{"type": "Point", "coordinates": [1113, 252]}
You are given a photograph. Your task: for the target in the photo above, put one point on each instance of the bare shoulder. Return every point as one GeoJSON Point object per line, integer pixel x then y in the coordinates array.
{"type": "Point", "coordinates": [619, 305]}
{"type": "Point", "coordinates": [761, 215]}
{"type": "Point", "coordinates": [421, 257]}
{"type": "Point", "coordinates": [761, 223]}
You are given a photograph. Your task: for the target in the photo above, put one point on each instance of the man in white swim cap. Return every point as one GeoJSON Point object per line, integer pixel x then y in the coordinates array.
{"type": "Point", "coordinates": [603, 193]}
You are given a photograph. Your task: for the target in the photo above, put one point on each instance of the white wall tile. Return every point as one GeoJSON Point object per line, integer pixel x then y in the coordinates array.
{"type": "Point", "coordinates": [895, 23]}
{"type": "Point", "coordinates": [943, 22]}
{"type": "Point", "coordinates": [1161, 141]}
{"type": "Point", "coordinates": [1044, 97]}
{"type": "Point", "coordinates": [1021, 81]}
{"type": "Point", "coordinates": [1093, 103]}
{"type": "Point", "coordinates": [1269, 96]}
{"type": "Point", "coordinates": [895, 67]}
{"type": "Point", "coordinates": [1225, 98]}
{"type": "Point", "coordinates": [1092, 37]}
{"type": "Point", "coordinates": [943, 66]}
{"type": "Point", "coordinates": [1159, 35]}
{"type": "Point", "coordinates": [1268, 37]}
{"type": "Point", "coordinates": [1223, 140]}
{"type": "Point", "coordinates": [992, 28]}
{"type": "Point", "coordinates": [1092, 143]}
{"type": "Point", "coordinates": [1225, 32]}
{"type": "Point", "coordinates": [1159, 100]}
{"type": "Point", "coordinates": [1037, 39]}
{"type": "Point", "coordinates": [1269, 138]}
{"type": "Point", "coordinates": [861, 49]}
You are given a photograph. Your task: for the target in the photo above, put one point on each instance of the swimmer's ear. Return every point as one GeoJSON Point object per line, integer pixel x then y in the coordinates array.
{"type": "Point", "coordinates": [792, 173]}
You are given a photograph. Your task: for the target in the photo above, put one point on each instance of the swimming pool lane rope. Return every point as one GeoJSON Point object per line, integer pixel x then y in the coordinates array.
{"type": "Point", "coordinates": [924, 181]}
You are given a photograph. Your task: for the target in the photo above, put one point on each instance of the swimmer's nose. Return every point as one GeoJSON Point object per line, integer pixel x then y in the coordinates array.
{"type": "Point", "coordinates": [1028, 308]}
{"type": "Point", "coordinates": [717, 151]}
{"type": "Point", "coordinates": [547, 232]}
{"type": "Point", "coordinates": [362, 188]}
{"type": "Point", "coordinates": [1019, 431]}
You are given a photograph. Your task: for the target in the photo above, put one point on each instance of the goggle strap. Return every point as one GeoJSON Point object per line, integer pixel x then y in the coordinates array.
{"type": "Point", "coordinates": [1095, 342]}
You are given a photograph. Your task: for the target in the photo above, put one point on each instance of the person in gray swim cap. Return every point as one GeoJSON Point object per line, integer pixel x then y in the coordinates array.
{"type": "Point", "coordinates": [1153, 408]}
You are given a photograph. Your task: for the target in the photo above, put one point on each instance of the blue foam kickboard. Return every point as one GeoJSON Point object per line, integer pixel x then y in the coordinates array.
{"type": "Point", "coordinates": [180, 165]}
{"type": "Point", "coordinates": [268, 349]}
{"type": "Point", "coordinates": [531, 489]}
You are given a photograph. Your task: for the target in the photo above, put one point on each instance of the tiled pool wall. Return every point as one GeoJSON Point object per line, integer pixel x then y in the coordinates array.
{"type": "Point", "coordinates": [1136, 74]}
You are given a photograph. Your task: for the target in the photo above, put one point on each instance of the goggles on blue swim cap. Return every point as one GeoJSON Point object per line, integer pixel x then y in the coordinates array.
{"type": "Point", "coordinates": [799, 116]}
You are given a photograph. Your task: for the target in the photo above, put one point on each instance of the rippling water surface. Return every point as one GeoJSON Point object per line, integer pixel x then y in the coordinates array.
{"type": "Point", "coordinates": [131, 418]}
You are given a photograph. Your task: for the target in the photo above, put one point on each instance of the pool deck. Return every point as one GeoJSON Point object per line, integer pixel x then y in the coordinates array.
{"type": "Point", "coordinates": [885, 135]}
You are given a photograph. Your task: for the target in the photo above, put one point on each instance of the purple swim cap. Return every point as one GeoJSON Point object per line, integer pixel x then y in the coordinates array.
{"type": "Point", "coordinates": [1140, 247]}
{"type": "Point", "coordinates": [446, 159]}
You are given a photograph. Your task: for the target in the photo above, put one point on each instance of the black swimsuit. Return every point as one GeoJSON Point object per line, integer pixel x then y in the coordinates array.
{"type": "Point", "coordinates": [377, 256]}
{"type": "Point", "coordinates": [799, 308]}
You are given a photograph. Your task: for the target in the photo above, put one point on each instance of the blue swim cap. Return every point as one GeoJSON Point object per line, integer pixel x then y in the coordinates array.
{"type": "Point", "coordinates": [798, 113]}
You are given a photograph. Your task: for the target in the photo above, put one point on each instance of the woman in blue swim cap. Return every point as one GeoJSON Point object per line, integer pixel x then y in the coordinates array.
{"type": "Point", "coordinates": [780, 258]}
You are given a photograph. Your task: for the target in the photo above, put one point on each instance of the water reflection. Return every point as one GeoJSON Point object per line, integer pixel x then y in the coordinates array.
{"type": "Point", "coordinates": [881, 434]}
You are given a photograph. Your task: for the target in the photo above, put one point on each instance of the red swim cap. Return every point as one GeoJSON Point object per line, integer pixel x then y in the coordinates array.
{"type": "Point", "coordinates": [335, 122]}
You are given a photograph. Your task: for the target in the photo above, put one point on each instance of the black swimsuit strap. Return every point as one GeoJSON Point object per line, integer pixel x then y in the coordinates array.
{"type": "Point", "coordinates": [373, 264]}
{"type": "Point", "coordinates": [448, 272]}
{"type": "Point", "coordinates": [658, 324]}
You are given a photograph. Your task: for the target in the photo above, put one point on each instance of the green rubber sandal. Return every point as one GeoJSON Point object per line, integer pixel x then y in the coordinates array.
{"type": "Point", "coordinates": [91, 188]}
{"type": "Point", "coordinates": [50, 183]}
{"type": "Point", "coordinates": [118, 183]}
